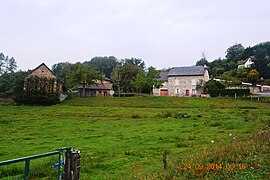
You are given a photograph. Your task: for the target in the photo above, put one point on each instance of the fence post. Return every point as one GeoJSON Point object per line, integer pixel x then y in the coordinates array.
{"type": "Point", "coordinates": [75, 164]}
{"type": "Point", "coordinates": [26, 169]}
{"type": "Point", "coordinates": [72, 165]}
{"type": "Point", "coordinates": [67, 170]}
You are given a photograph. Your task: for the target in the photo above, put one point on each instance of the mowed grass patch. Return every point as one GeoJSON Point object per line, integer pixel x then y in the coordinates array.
{"type": "Point", "coordinates": [124, 137]}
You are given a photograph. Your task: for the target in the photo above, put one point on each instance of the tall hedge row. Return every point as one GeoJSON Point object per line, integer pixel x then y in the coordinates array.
{"type": "Point", "coordinates": [228, 92]}
{"type": "Point", "coordinates": [39, 91]}
{"type": "Point", "coordinates": [38, 99]}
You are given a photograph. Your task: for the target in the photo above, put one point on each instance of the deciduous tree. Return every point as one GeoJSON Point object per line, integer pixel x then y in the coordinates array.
{"type": "Point", "coordinates": [84, 75]}
{"type": "Point", "coordinates": [253, 76]}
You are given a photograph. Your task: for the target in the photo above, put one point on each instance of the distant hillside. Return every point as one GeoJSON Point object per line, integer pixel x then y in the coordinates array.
{"type": "Point", "coordinates": [237, 54]}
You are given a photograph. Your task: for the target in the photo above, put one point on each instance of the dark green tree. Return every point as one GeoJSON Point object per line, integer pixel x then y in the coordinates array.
{"type": "Point", "coordinates": [140, 81]}
{"type": "Point", "coordinates": [104, 64]}
{"type": "Point", "coordinates": [234, 53]}
{"type": "Point", "coordinates": [152, 76]}
{"type": "Point", "coordinates": [12, 83]}
{"type": "Point", "coordinates": [248, 52]}
{"type": "Point", "coordinates": [214, 85]}
{"type": "Point", "coordinates": [61, 70]}
{"type": "Point", "coordinates": [262, 59]}
{"type": "Point", "coordinates": [134, 61]}
{"type": "Point", "coordinates": [124, 76]}
{"type": "Point", "coordinates": [217, 67]}
{"type": "Point", "coordinates": [84, 75]}
{"type": "Point", "coordinates": [117, 80]}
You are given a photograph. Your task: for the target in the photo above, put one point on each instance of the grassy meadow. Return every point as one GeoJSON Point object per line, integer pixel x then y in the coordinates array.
{"type": "Point", "coordinates": [128, 137]}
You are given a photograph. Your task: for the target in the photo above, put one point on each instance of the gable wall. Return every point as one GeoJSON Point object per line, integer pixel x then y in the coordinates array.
{"type": "Point", "coordinates": [43, 71]}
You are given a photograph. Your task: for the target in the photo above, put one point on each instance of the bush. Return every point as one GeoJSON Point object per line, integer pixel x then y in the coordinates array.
{"type": "Point", "coordinates": [124, 95]}
{"type": "Point", "coordinates": [212, 84]}
{"type": "Point", "coordinates": [228, 92]}
{"type": "Point", "coordinates": [38, 99]}
{"type": "Point", "coordinates": [7, 94]}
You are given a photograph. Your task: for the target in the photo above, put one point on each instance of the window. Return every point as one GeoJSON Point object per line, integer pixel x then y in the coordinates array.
{"type": "Point", "coordinates": [176, 82]}
{"type": "Point", "coordinates": [193, 82]}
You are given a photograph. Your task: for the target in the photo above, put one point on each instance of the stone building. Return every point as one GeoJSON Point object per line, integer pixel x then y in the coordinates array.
{"type": "Point", "coordinates": [182, 81]}
{"type": "Point", "coordinates": [43, 79]}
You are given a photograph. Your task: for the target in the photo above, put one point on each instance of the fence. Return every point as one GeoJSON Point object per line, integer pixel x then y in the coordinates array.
{"type": "Point", "coordinates": [71, 161]}
{"type": "Point", "coordinates": [247, 97]}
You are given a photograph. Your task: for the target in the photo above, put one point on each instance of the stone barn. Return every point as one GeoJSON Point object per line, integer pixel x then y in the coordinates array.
{"type": "Point", "coordinates": [42, 79]}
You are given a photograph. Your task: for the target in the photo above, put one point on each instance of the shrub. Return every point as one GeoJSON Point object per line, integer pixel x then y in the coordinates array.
{"type": "Point", "coordinates": [228, 92]}
{"type": "Point", "coordinates": [37, 99]}
{"type": "Point", "coordinates": [124, 95]}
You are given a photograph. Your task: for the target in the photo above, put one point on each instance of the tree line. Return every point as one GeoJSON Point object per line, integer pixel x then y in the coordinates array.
{"type": "Point", "coordinates": [127, 75]}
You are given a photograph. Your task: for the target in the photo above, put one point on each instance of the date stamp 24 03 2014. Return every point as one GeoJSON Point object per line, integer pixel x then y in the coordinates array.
{"type": "Point", "coordinates": [213, 166]}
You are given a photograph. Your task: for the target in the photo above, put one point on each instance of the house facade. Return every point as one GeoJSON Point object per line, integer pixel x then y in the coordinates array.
{"type": "Point", "coordinates": [182, 81]}
{"type": "Point", "coordinates": [104, 88]}
{"type": "Point", "coordinates": [44, 80]}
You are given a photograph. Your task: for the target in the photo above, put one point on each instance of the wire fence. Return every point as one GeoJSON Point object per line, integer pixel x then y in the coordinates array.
{"type": "Point", "coordinates": [247, 97]}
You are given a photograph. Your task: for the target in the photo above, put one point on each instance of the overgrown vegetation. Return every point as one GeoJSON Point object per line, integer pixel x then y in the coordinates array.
{"type": "Point", "coordinates": [228, 92]}
{"type": "Point", "coordinates": [38, 91]}
{"type": "Point", "coordinates": [241, 159]}
{"type": "Point", "coordinates": [129, 137]}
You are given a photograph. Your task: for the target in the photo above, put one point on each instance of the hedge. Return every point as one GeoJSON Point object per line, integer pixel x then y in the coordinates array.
{"type": "Point", "coordinates": [38, 99]}
{"type": "Point", "coordinates": [124, 95]}
{"type": "Point", "coordinates": [228, 92]}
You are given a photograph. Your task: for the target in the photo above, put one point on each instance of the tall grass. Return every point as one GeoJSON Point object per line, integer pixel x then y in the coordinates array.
{"type": "Point", "coordinates": [248, 158]}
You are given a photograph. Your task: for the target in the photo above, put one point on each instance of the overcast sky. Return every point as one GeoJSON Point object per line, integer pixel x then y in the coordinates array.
{"type": "Point", "coordinates": [164, 33]}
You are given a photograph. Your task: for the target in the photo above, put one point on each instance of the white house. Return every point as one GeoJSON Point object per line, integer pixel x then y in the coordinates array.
{"type": "Point", "coordinates": [247, 63]}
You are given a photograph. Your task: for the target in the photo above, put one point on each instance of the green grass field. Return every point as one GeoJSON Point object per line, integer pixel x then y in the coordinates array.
{"type": "Point", "coordinates": [127, 137]}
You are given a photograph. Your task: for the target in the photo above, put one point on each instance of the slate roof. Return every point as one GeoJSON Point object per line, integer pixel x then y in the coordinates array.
{"type": "Point", "coordinates": [164, 75]}
{"type": "Point", "coordinates": [105, 86]}
{"type": "Point", "coordinates": [187, 71]}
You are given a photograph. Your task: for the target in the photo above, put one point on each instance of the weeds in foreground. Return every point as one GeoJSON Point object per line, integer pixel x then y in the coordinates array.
{"type": "Point", "coordinates": [246, 159]}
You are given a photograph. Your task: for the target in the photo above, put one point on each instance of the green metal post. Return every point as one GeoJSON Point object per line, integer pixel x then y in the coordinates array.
{"type": "Point", "coordinates": [26, 169]}
{"type": "Point", "coordinates": [28, 158]}
{"type": "Point", "coordinates": [60, 165]}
